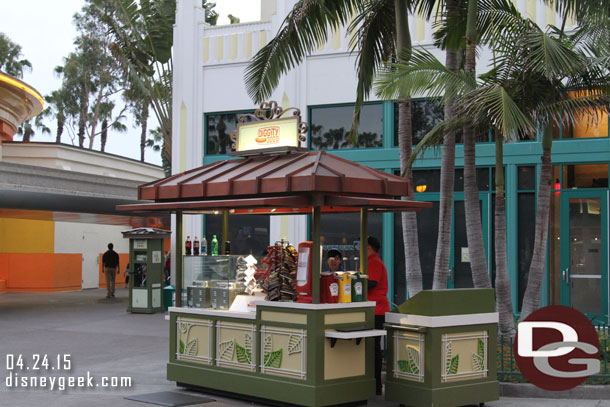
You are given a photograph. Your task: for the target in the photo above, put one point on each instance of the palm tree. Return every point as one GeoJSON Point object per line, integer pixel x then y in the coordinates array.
{"type": "Point", "coordinates": [594, 19]}
{"type": "Point", "coordinates": [143, 35]}
{"type": "Point", "coordinates": [381, 31]}
{"type": "Point", "coordinates": [527, 89]}
{"type": "Point", "coordinates": [10, 58]}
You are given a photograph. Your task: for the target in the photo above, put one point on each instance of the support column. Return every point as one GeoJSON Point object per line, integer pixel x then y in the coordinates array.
{"type": "Point", "coordinates": [225, 230]}
{"type": "Point", "coordinates": [178, 236]}
{"type": "Point", "coordinates": [364, 230]}
{"type": "Point", "coordinates": [315, 269]}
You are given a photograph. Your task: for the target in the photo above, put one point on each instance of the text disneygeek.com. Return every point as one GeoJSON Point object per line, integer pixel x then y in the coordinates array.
{"type": "Point", "coordinates": [27, 372]}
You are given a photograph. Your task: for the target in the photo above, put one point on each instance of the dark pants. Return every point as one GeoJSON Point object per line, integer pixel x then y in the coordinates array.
{"type": "Point", "coordinates": [379, 321]}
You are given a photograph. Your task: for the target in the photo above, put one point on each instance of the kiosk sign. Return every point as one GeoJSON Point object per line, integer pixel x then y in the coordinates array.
{"type": "Point", "coordinates": [267, 134]}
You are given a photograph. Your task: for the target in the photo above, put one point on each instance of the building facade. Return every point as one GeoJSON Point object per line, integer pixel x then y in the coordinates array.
{"type": "Point", "coordinates": [209, 94]}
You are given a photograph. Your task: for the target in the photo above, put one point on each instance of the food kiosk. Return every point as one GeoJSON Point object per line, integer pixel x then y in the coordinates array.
{"type": "Point", "coordinates": [300, 353]}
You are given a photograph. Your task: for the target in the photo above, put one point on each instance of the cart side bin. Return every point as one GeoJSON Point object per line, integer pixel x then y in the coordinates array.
{"type": "Point", "coordinates": [442, 349]}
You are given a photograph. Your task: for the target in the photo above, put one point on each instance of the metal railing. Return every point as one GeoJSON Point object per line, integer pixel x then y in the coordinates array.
{"type": "Point", "coordinates": [509, 372]}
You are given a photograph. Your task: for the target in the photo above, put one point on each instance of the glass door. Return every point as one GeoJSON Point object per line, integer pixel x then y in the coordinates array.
{"type": "Point", "coordinates": [584, 251]}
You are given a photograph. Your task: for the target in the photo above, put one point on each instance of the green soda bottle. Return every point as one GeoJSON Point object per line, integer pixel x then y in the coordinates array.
{"type": "Point", "coordinates": [214, 248]}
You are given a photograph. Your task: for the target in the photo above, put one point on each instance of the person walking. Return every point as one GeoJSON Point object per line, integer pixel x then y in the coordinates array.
{"type": "Point", "coordinates": [110, 267]}
{"type": "Point", "coordinates": [378, 292]}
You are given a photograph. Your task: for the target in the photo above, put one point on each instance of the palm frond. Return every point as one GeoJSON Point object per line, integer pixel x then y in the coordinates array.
{"type": "Point", "coordinates": [434, 138]}
{"type": "Point", "coordinates": [492, 104]}
{"type": "Point", "coordinates": [373, 34]}
{"type": "Point", "coordinates": [423, 75]}
{"type": "Point", "coordinates": [304, 29]}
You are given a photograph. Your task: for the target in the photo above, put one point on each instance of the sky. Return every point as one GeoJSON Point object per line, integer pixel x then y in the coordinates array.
{"type": "Point", "coordinates": [45, 32]}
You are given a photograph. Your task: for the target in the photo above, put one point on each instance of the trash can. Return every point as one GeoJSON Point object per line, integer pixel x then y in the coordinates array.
{"type": "Point", "coordinates": [168, 296]}
{"type": "Point", "coordinates": [442, 349]}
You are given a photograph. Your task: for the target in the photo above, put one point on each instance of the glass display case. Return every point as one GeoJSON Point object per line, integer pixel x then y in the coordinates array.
{"type": "Point", "coordinates": [213, 281]}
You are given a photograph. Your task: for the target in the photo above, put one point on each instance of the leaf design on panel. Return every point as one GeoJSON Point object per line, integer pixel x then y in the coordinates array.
{"type": "Point", "coordinates": [242, 354]}
{"type": "Point", "coordinates": [453, 365]}
{"type": "Point", "coordinates": [413, 355]}
{"type": "Point", "coordinates": [477, 363]}
{"type": "Point", "coordinates": [185, 327]}
{"type": "Point", "coordinates": [191, 348]}
{"type": "Point", "coordinates": [249, 342]}
{"type": "Point", "coordinates": [295, 344]}
{"type": "Point", "coordinates": [267, 345]}
{"type": "Point", "coordinates": [448, 356]}
{"type": "Point", "coordinates": [481, 348]}
{"type": "Point", "coordinates": [404, 366]}
{"type": "Point", "coordinates": [226, 350]}
{"type": "Point", "coordinates": [274, 359]}
{"type": "Point", "coordinates": [181, 349]}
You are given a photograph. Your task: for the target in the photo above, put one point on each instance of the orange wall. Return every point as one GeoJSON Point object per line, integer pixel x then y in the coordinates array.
{"type": "Point", "coordinates": [120, 278]}
{"type": "Point", "coordinates": [31, 272]}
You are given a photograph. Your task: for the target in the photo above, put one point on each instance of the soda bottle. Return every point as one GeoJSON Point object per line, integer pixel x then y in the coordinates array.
{"type": "Point", "coordinates": [187, 246]}
{"type": "Point", "coordinates": [196, 247]}
{"type": "Point", "coordinates": [204, 246]}
{"type": "Point", "coordinates": [214, 246]}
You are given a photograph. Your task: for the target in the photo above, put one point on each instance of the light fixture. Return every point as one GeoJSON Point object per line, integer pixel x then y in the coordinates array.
{"type": "Point", "coordinates": [421, 188]}
{"type": "Point", "coordinates": [215, 212]}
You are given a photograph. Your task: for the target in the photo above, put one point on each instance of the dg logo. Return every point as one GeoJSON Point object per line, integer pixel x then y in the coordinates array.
{"type": "Point", "coordinates": [557, 348]}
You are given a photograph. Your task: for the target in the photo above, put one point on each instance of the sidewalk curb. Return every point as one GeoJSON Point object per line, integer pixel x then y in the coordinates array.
{"type": "Point", "coordinates": [527, 390]}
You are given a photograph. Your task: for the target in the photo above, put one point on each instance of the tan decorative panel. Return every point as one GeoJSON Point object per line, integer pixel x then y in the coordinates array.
{"type": "Point", "coordinates": [409, 356]}
{"type": "Point", "coordinates": [235, 345]}
{"type": "Point", "coordinates": [284, 317]}
{"type": "Point", "coordinates": [345, 318]}
{"type": "Point", "coordinates": [464, 356]}
{"type": "Point", "coordinates": [194, 340]}
{"type": "Point", "coordinates": [284, 352]}
{"type": "Point", "coordinates": [345, 359]}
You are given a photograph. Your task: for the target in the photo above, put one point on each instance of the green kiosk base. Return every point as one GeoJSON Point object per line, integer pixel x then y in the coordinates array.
{"type": "Point", "coordinates": [442, 349]}
{"type": "Point", "coordinates": [289, 353]}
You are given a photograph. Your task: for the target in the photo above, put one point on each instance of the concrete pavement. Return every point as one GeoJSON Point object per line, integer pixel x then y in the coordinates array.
{"type": "Point", "coordinates": [104, 340]}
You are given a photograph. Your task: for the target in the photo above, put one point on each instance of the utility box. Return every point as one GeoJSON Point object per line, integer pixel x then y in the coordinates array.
{"type": "Point", "coordinates": [146, 263]}
{"type": "Point", "coordinates": [442, 349]}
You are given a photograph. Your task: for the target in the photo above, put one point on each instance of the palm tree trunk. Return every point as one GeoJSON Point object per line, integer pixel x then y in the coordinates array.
{"type": "Point", "coordinates": [81, 130]}
{"type": "Point", "coordinates": [405, 145]}
{"type": "Point", "coordinates": [503, 293]}
{"type": "Point", "coordinates": [104, 136]}
{"type": "Point", "coordinates": [443, 243]}
{"type": "Point", "coordinates": [144, 119]}
{"type": "Point", "coordinates": [409, 219]}
{"type": "Point", "coordinates": [60, 127]}
{"type": "Point", "coordinates": [474, 228]}
{"type": "Point", "coordinates": [531, 299]}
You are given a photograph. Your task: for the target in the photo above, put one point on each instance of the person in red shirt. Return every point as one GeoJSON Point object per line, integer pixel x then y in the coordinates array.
{"type": "Point", "coordinates": [378, 292]}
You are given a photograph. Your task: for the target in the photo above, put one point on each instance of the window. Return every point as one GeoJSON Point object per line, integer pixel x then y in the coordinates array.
{"type": "Point", "coordinates": [425, 114]}
{"type": "Point", "coordinates": [218, 128]}
{"type": "Point", "coordinates": [330, 125]}
{"type": "Point", "coordinates": [585, 176]}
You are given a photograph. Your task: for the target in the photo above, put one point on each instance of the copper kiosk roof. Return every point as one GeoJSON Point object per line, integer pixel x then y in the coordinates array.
{"type": "Point", "coordinates": [287, 183]}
